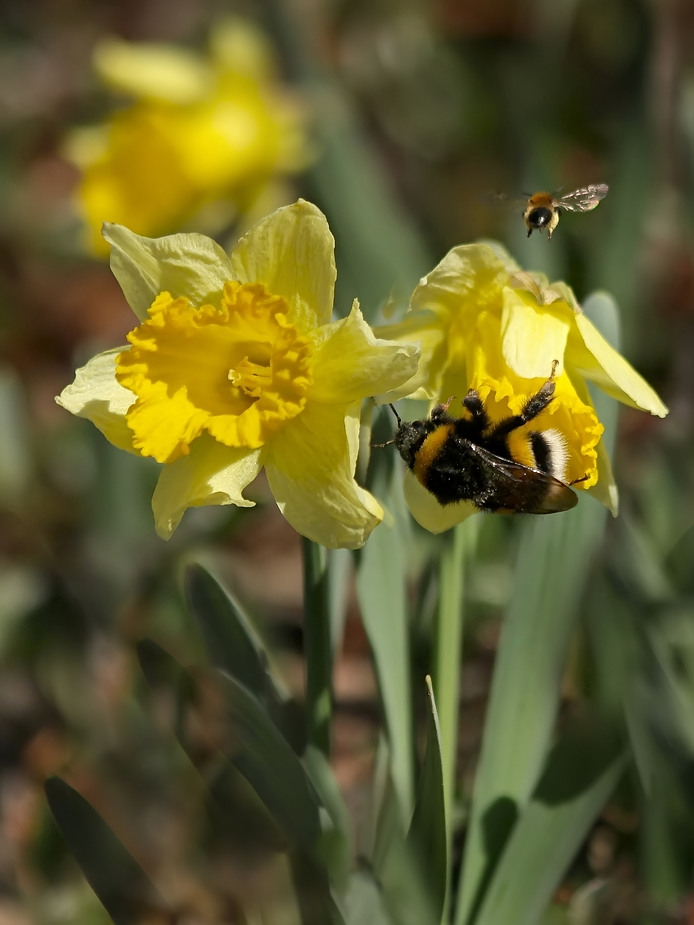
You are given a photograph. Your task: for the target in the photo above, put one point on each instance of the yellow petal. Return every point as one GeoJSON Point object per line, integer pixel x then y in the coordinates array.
{"type": "Point", "coordinates": [351, 364]}
{"type": "Point", "coordinates": [152, 71]}
{"type": "Point", "coordinates": [310, 470]}
{"type": "Point", "coordinates": [210, 474]}
{"type": "Point", "coordinates": [426, 510]}
{"type": "Point", "coordinates": [237, 46]}
{"type": "Point", "coordinates": [420, 328]}
{"type": "Point", "coordinates": [593, 357]}
{"type": "Point", "coordinates": [531, 337]}
{"type": "Point", "coordinates": [606, 491]}
{"type": "Point", "coordinates": [467, 279]}
{"type": "Point", "coordinates": [292, 252]}
{"type": "Point", "coordinates": [137, 179]}
{"type": "Point", "coordinates": [97, 396]}
{"type": "Point", "coordinates": [228, 144]}
{"type": "Point", "coordinates": [85, 144]}
{"type": "Point", "coordinates": [601, 485]}
{"type": "Point", "coordinates": [190, 265]}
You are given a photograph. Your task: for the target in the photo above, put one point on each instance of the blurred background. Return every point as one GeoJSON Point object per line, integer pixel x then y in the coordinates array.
{"type": "Point", "coordinates": [397, 119]}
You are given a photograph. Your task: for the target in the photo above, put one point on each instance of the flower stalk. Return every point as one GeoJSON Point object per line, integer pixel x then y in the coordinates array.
{"type": "Point", "coordinates": [317, 646]}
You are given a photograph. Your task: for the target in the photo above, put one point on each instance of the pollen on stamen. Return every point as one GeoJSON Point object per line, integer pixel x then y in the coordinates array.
{"type": "Point", "coordinates": [181, 352]}
{"type": "Point", "coordinates": [250, 377]}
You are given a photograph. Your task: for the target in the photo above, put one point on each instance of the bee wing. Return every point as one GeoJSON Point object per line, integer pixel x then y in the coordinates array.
{"type": "Point", "coordinates": [505, 201]}
{"type": "Point", "coordinates": [520, 488]}
{"type": "Point", "coordinates": [583, 199]}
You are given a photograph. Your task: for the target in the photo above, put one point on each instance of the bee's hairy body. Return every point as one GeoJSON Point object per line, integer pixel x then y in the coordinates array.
{"type": "Point", "coordinates": [470, 459]}
{"type": "Point", "coordinates": [541, 212]}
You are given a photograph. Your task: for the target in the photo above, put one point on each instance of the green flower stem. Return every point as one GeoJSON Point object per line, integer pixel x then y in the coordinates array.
{"type": "Point", "coordinates": [458, 548]}
{"type": "Point", "coordinates": [318, 649]}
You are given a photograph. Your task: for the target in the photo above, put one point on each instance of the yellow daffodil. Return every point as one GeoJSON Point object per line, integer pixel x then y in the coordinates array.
{"type": "Point", "coordinates": [235, 366]}
{"type": "Point", "coordinates": [483, 323]}
{"type": "Point", "coordinates": [200, 142]}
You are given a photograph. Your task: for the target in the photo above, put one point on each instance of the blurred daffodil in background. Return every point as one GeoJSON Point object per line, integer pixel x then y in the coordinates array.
{"type": "Point", "coordinates": [198, 140]}
{"type": "Point", "coordinates": [485, 324]}
{"type": "Point", "coordinates": [235, 366]}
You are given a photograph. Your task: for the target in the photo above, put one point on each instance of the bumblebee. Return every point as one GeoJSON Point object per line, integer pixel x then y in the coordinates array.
{"type": "Point", "coordinates": [469, 458]}
{"type": "Point", "coordinates": [542, 210]}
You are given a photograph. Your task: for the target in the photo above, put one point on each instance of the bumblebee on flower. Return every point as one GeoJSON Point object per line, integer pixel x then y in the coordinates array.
{"type": "Point", "coordinates": [486, 326]}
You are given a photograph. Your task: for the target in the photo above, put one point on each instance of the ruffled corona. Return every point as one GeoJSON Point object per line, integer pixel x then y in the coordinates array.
{"type": "Point", "coordinates": [238, 371]}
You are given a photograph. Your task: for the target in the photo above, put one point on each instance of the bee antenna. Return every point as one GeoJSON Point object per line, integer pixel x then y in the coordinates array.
{"type": "Point", "coordinates": [388, 442]}
{"type": "Point", "coordinates": [397, 416]}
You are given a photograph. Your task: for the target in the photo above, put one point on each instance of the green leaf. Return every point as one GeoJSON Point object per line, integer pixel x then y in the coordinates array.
{"type": "Point", "coordinates": [244, 733]}
{"type": "Point", "coordinates": [456, 560]}
{"type": "Point", "coordinates": [381, 589]}
{"type": "Point", "coordinates": [231, 641]}
{"type": "Point", "coordinates": [618, 243]}
{"type": "Point", "coordinates": [582, 771]}
{"type": "Point", "coordinates": [550, 571]}
{"type": "Point", "coordinates": [236, 816]}
{"type": "Point", "coordinates": [336, 850]}
{"type": "Point", "coordinates": [386, 815]}
{"type": "Point", "coordinates": [234, 646]}
{"type": "Point", "coordinates": [267, 762]}
{"type": "Point", "coordinates": [428, 831]}
{"type": "Point", "coordinates": [380, 247]}
{"type": "Point", "coordinates": [364, 902]}
{"type": "Point", "coordinates": [313, 894]}
{"type": "Point", "coordinates": [189, 265]}
{"type": "Point", "coordinates": [248, 760]}
{"type": "Point", "coordinates": [406, 893]}
{"type": "Point", "coordinates": [556, 915]}
{"type": "Point", "coordinates": [396, 864]}
{"type": "Point", "coordinates": [119, 882]}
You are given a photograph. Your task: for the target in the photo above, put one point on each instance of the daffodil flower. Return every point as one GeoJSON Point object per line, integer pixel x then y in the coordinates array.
{"type": "Point", "coordinates": [202, 140]}
{"type": "Point", "coordinates": [235, 366]}
{"type": "Point", "coordinates": [483, 323]}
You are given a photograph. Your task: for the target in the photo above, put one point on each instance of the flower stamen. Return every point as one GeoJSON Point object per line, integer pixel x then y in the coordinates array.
{"type": "Point", "coordinates": [250, 377]}
{"type": "Point", "coordinates": [181, 357]}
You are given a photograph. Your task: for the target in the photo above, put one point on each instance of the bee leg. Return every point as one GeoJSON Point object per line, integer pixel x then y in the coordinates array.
{"type": "Point", "coordinates": [539, 401]}
{"type": "Point", "coordinates": [439, 413]}
{"type": "Point", "coordinates": [474, 404]}
{"type": "Point", "coordinates": [479, 422]}
{"type": "Point", "coordinates": [533, 406]}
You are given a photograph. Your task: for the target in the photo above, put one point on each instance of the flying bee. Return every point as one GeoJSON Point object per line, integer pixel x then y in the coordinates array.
{"type": "Point", "coordinates": [542, 210]}
{"type": "Point", "coordinates": [470, 458]}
